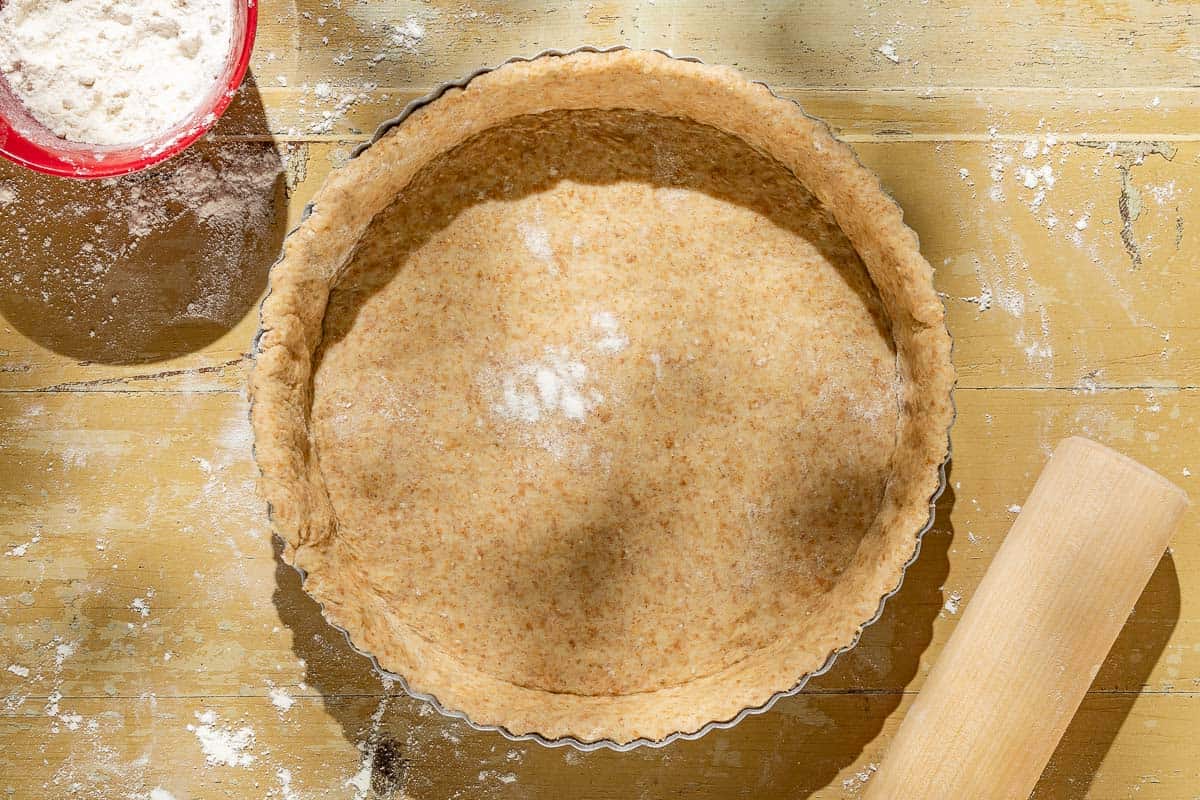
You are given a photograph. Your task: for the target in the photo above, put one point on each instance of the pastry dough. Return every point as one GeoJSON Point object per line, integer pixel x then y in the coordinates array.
{"type": "Point", "coordinates": [602, 398]}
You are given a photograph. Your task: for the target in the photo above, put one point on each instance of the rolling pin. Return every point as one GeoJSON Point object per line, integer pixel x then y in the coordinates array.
{"type": "Point", "coordinates": [1036, 631]}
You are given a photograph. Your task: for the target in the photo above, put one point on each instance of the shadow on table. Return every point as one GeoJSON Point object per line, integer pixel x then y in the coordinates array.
{"type": "Point", "coordinates": [149, 266]}
{"type": "Point", "coordinates": [798, 747]}
{"type": "Point", "coordinates": [1114, 691]}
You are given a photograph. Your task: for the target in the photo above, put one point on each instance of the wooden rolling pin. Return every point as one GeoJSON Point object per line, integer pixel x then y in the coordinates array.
{"type": "Point", "coordinates": [1036, 631]}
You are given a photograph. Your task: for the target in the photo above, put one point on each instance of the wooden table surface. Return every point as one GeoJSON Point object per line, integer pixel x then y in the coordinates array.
{"type": "Point", "coordinates": [150, 638]}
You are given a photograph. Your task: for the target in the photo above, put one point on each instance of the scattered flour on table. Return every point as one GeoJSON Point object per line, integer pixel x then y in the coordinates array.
{"type": "Point", "coordinates": [1162, 193]}
{"type": "Point", "coordinates": [113, 72]}
{"type": "Point", "coordinates": [122, 265]}
{"type": "Point", "coordinates": [18, 670]}
{"type": "Point", "coordinates": [486, 775]}
{"type": "Point", "coordinates": [998, 291]}
{"type": "Point", "coordinates": [1004, 274]}
{"type": "Point", "coordinates": [161, 794]}
{"type": "Point", "coordinates": [281, 699]}
{"type": "Point", "coordinates": [223, 746]}
{"type": "Point", "coordinates": [952, 603]}
{"type": "Point", "coordinates": [400, 39]}
{"type": "Point", "coordinates": [1011, 300]}
{"type": "Point", "coordinates": [20, 550]}
{"type": "Point", "coordinates": [1040, 179]}
{"type": "Point", "coordinates": [888, 51]}
{"type": "Point", "coordinates": [360, 781]}
{"type": "Point", "coordinates": [62, 652]}
{"type": "Point", "coordinates": [285, 784]}
{"type": "Point", "coordinates": [221, 195]}
{"type": "Point", "coordinates": [856, 781]}
{"type": "Point", "coordinates": [52, 701]}
{"type": "Point", "coordinates": [343, 99]}
{"type": "Point", "coordinates": [998, 163]}
{"type": "Point", "coordinates": [1033, 177]}
{"type": "Point", "coordinates": [983, 299]}
{"type": "Point", "coordinates": [228, 484]}
{"type": "Point", "coordinates": [408, 35]}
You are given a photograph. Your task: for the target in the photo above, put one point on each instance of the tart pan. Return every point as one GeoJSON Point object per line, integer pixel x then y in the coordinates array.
{"type": "Point", "coordinates": [355, 538]}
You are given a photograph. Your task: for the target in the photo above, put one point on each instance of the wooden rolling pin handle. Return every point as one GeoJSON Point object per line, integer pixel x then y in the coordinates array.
{"type": "Point", "coordinates": [1036, 631]}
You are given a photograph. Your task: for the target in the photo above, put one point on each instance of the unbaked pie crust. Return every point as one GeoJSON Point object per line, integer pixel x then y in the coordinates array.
{"type": "Point", "coordinates": [603, 398]}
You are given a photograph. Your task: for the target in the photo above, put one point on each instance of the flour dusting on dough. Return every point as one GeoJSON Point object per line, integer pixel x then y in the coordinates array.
{"type": "Point", "coordinates": [554, 385]}
{"type": "Point", "coordinates": [536, 239]}
{"type": "Point", "coordinates": [557, 391]}
{"type": "Point", "coordinates": [611, 339]}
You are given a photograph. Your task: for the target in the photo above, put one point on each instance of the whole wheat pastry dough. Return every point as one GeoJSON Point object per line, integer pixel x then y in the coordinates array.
{"type": "Point", "coordinates": [604, 397]}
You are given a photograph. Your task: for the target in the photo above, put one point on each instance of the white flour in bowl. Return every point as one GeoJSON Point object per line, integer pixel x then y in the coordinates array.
{"type": "Point", "coordinates": [113, 72]}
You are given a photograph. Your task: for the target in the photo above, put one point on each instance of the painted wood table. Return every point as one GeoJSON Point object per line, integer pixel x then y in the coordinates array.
{"type": "Point", "coordinates": [151, 642]}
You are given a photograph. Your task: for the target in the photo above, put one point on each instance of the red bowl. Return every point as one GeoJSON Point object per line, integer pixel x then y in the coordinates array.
{"type": "Point", "coordinates": [26, 141]}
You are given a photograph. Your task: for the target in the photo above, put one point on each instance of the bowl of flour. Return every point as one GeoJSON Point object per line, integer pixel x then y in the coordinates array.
{"type": "Point", "coordinates": [97, 88]}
